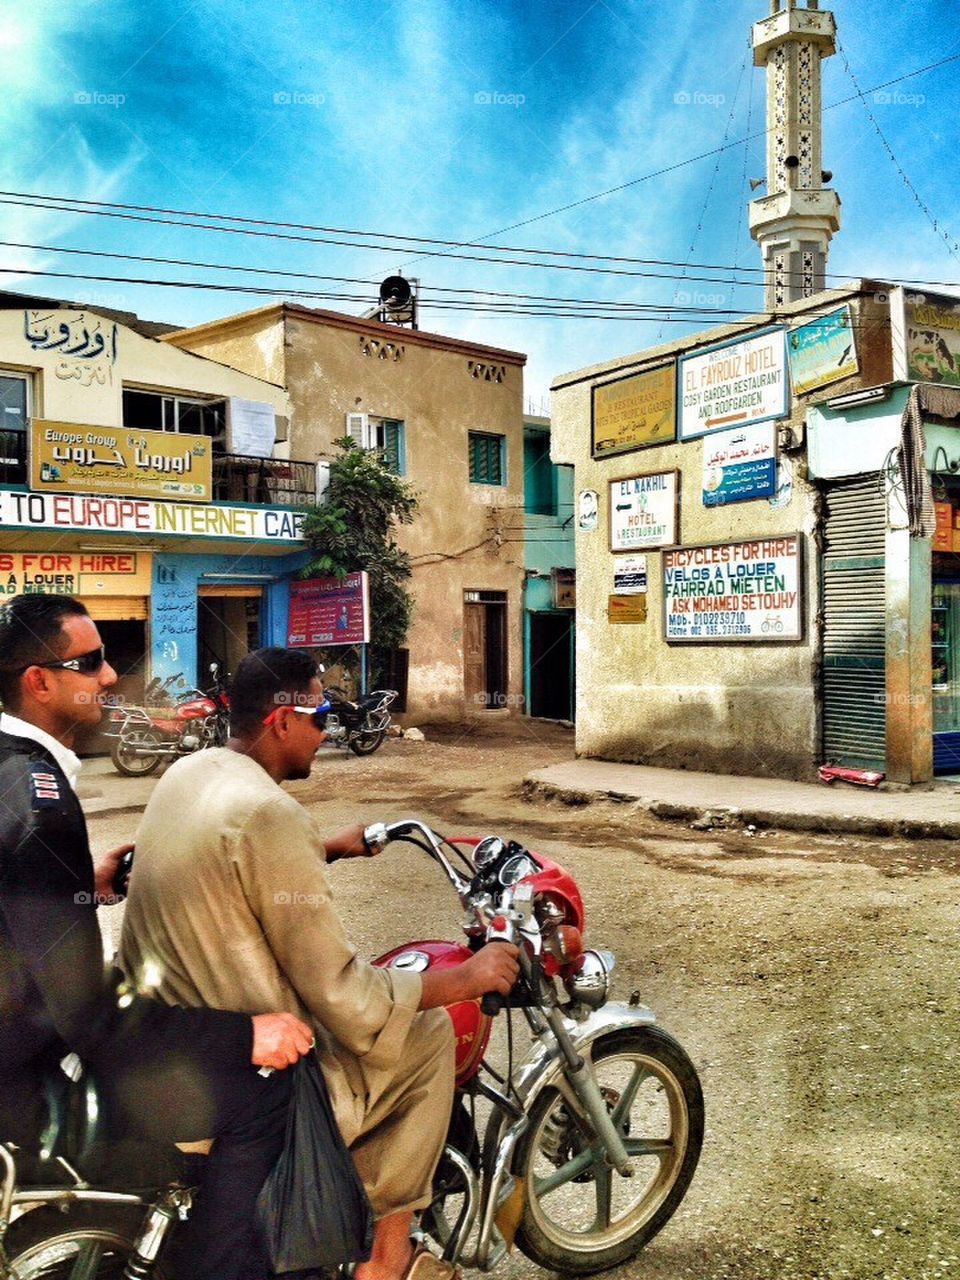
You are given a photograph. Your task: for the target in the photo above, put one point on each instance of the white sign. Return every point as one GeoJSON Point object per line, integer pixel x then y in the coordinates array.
{"type": "Point", "coordinates": [737, 591]}
{"type": "Point", "coordinates": [115, 515]}
{"type": "Point", "coordinates": [734, 385]}
{"type": "Point", "coordinates": [251, 428]}
{"type": "Point", "coordinates": [740, 464]}
{"type": "Point", "coordinates": [588, 509]}
{"type": "Point", "coordinates": [630, 576]}
{"type": "Point", "coordinates": [643, 511]}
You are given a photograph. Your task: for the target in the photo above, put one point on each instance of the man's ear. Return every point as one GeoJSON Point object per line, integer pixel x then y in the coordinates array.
{"type": "Point", "coordinates": [36, 683]}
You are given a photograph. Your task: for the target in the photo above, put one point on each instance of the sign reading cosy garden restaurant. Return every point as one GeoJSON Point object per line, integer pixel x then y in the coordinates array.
{"type": "Point", "coordinates": [734, 384]}
{"type": "Point", "coordinates": [735, 591]}
{"type": "Point", "coordinates": [644, 511]}
{"type": "Point", "coordinates": [634, 412]}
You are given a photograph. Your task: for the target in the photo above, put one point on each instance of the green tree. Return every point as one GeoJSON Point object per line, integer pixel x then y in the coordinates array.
{"type": "Point", "coordinates": [353, 529]}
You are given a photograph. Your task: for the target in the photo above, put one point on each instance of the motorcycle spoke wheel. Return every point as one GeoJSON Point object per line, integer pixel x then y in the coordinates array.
{"type": "Point", "coordinates": [582, 1216]}
{"type": "Point", "coordinates": [83, 1244]}
{"type": "Point", "coordinates": [126, 753]}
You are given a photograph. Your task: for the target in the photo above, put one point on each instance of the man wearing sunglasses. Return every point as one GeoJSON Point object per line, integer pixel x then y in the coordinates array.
{"type": "Point", "coordinates": [230, 892]}
{"type": "Point", "coordinates": [169, 1074]}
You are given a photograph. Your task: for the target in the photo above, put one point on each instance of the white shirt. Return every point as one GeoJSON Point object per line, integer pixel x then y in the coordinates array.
{"type": "Point", "coordinates": [68, 760]}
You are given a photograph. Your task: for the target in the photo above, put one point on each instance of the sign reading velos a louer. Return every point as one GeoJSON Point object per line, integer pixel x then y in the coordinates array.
{"type": "Point", "coordinates": [734, 384]}
{"type": "Point", "coordinates": [67, 457]}
{"type": "Point", "coordinates": [734, 591]}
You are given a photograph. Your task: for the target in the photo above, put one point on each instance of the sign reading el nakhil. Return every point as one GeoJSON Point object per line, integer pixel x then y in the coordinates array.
{"type": "Point", "coordinates": [644, 511]}
{"type": "Point", "coordinates": [66, 457]}
{"type": "Point", "coordinates": [634, 412]}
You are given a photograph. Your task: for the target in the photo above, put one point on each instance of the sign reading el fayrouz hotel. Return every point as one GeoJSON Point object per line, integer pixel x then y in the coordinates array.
{"type": "Point", "coordinates": [734, 384]}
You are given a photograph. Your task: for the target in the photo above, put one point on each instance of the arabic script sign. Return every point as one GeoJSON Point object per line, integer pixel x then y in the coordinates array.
{"type": "Point", "coordinates": [933, 339]}
{"type": "Point", "coordinates": [737, 591]}
{"type": "Point", "coordinates": [329, 612]}
{"type": "Point", "coordinates": [734, 385]}
{"type": "Point", "coordinates": [822, 351]}
{"type": "Point", "coordinates": [92, 514]}
{"type": "Point", "coordinates": [85, 343]}
{"type": "Point", "coordinates": [68, 458]}
{"type": "Point", "coordinates": [739, 465]}
{"type": "Point", "coordinates": [636, 411]}
{"type": "Point", "coordinates": [643, 511]}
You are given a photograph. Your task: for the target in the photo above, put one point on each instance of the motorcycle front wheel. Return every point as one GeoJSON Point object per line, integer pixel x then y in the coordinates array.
{"type": "Point", "coordinates": [126, 757]}
{"type": "Point", "coordinates": [93, 1241]}
{"type": "Point", "coordinates": [366, 742]}
{"type": "Point", "coordinates": [579, 1215]}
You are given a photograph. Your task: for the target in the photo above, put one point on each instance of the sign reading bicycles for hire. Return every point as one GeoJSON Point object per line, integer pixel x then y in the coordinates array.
{"type": "Point", "coordinates": [734, 591]}
{"type": "Point", "coordinates": [734, 385]}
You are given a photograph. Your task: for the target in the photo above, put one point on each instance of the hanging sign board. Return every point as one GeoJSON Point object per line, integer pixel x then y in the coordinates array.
{"type": "Point", "coordinates": [737, 591]}
{"type": "Point", "coordinates": [644, 511]}
{"type": "Point", "coordinates": [823, 351]}
{"type": "Point", "coordinates": [326, 611]}
{"type": "Point", "coordinates": [634, 412]}
{"type": "Point", "coordinates": [630, 576]}
{"type": "Point", "coordinates": [926, 331]}
{"type": "Point", "coordinates": [67, 457]}
{"type": "Point", "coordinates": [740, 465]}
{"type": "Point", "coordinates": [734, 384]}
{"type": "Point", "coordinates": [251, 428]}
{"type": "Point", "coordinates": [71, 573]}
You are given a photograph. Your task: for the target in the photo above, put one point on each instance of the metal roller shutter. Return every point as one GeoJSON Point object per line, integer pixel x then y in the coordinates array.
{"type": "Point", "coordinates": [854, 635]}
{"type": "Point", "coordinates": [116, 608]}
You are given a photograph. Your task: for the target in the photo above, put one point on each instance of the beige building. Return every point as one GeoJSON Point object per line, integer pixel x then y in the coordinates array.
{"type": "Point", "coordinates": [448, 415]}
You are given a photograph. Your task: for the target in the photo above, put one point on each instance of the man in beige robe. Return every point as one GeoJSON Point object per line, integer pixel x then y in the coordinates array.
{"type": "Point", "coordinates": [230, 907]}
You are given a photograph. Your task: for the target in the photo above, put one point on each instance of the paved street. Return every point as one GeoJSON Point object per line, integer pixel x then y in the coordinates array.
{"type": "Point", "coordinates": [812, 979]}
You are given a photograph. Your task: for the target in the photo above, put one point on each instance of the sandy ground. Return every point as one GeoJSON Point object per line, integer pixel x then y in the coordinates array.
{"type": "Point", "coordinates": [813, 980]}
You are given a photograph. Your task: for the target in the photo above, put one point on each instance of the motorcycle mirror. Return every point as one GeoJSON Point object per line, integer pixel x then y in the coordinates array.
{"type": "Point", "coordinates": [214, 668]}
{"type": "Point", "coordinates": [320, 668]}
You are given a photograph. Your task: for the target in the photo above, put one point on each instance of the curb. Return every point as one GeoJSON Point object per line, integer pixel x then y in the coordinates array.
{"type": "Point", "coordinates": [534, 789]}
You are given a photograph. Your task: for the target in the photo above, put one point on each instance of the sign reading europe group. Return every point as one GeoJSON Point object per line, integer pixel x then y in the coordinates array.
{"type": "Point", "coordinates": [66, 457]}
{"type": "Point", "coordinates": [643, 511]}
{"type": "Point", "coordinates": [326, 611]}
{"type": "Point", "coordinates": [94, 514]}
{"type": "Point", "coordinates": [734, 385]}
{"type": "Point", "coordinates": [734, 591]}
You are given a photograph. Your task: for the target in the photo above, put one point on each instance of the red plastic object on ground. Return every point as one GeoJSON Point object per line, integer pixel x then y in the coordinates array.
{"type": "Point", "coordinates": [859, 777]}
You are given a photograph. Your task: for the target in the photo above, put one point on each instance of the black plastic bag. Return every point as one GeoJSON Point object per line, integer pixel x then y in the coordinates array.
{"type": "Point", "coordinates": [313, 1210]}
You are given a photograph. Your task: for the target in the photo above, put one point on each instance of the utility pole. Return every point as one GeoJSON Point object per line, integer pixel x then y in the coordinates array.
{"type": "Point", "coordinates": [795, 221]}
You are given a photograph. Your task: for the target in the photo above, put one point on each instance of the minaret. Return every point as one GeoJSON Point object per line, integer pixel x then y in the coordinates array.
{"type": "Point", "coordinates": [795, 220]}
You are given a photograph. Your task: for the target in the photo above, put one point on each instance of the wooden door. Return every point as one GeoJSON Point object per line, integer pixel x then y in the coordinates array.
{"type": "Point", "coordinates": [474, 654]}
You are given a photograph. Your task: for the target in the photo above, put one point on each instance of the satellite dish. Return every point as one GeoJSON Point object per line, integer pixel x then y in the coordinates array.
{"type": "Point", "coordinates": [395, 293]}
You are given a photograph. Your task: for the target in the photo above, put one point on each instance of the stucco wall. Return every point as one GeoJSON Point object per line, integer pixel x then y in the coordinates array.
{"type": "Point", "coordinates": [739, 708]}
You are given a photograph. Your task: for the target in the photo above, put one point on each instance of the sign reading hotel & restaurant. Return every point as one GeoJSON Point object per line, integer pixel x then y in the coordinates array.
{"type": "Point", "coordinates": [634, 412]}
{"type": "Point", "coordinates": [66, 457]}
{"type": "Point", "coordinates": [735, 591]}
{"type": "Point", "coordinates": [823, 351]}
{"type": "Point", "coordinates": [88, 514]}
{"type": "Point", "coordinates": [329, 611]}
{"type": "Point", "coordinates": [740, 465]}
{"type": "Point", "coordinates": [644, 511]}
{"type": "Point", "coordinates": [734, 385]}
{"type": "Point", "coordinates": [926, 337]}
{"type": "Point", "coordinates": [70, 573]}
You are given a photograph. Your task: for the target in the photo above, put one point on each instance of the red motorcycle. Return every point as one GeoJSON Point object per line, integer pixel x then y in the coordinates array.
{"type": "Point", "coordinates": [145, 735]}
{"type": "Point", "coordinates": [589, 1145]}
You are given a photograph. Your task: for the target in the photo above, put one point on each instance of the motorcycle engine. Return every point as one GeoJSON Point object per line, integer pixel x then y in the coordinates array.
{"type": "Point", "coordinates": [190, 742]}
{"type": "Point", "coordinates": [334, 729]}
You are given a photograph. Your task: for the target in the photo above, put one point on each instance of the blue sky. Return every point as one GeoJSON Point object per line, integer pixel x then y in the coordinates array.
{"type": "Point", "coordinates": [454, 120]}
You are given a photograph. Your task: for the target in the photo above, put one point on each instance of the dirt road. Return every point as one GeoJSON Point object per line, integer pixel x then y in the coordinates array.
{"type": "Point", "coordinates": [812, 979]}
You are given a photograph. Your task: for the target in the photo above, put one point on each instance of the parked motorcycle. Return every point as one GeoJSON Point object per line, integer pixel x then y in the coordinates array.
{"type": "Point", "coordinates": [146, 735]}
{"type": "Point", "coordinates": [591, 1141]}
{"type": "Point", "coordinates": [362, 725]}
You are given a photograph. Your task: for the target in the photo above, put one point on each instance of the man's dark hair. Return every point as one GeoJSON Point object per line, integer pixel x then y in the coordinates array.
{"type": "Point", "coordinates": [267, 679]}
{"type": "Point", "coordinates": [31, 630]}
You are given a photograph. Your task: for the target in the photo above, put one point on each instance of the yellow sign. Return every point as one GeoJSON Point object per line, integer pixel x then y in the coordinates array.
{"type": "Point", "coordinates": [635, 412]}
{"type": "Point", "coordinates": [66, 457]}
{"type": "Point", "coordinates": [72, 573]}
{"type": "Point", "coordinates": [627, 608]}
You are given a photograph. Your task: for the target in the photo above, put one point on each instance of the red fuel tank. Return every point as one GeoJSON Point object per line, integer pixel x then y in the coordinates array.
{"type": "Point", "coordinates": [195, 708]}
{"type": "Point", "coordinates": [471, 1027]}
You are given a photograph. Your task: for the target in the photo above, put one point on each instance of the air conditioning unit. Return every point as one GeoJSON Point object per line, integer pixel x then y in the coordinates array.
{"type": "Point", "coordinates": [323, 479]}
{"type": "Point", "coordinates": [360, 430]}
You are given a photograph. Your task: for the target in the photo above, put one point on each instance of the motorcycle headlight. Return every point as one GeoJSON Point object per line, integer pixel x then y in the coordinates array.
{"type": "Point", "coordinates": [591, 981]}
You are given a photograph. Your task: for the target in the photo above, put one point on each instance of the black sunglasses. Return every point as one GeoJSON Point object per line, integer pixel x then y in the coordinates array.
{"type": "Point", "coordinates": [86, 664]}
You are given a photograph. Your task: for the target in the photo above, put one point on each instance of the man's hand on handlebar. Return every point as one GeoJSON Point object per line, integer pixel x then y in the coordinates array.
{"type": "Point", "coordinates": [494, 967]}
{"type": "Point", "coordinates": [348, 843]}
{"type": "Point", "coordinates": [279, 1040]}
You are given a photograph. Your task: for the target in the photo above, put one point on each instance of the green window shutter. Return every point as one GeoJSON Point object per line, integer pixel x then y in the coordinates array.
{"type": "Point", "coordinates": [486, 458]}
{"type": "Point", "coordinates": [539, 489]}
{"type": "Point", "coordinates": [393, 446]}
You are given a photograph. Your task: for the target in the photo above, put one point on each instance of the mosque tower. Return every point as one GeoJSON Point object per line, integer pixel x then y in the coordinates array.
{"type": "Point", "coordinates": [795, 221]}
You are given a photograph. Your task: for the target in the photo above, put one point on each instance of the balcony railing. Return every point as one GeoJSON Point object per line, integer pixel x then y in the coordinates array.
{"type": "Point", "coordinates": [13, 457]}
{"type": "Point", "coordinates": [270, 481]}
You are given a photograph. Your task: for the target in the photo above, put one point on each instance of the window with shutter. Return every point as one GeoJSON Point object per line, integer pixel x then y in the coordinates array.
{"type": "Point", "coordinates": [539, 482]}
{"type": "Point", "coordinates": [485, 452]}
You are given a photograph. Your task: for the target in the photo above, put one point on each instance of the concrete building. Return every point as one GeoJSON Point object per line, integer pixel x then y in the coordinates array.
{"type": "Point", "coordinates": [550, 592]}
{"type": "Point", "coordinates": [449, 416]}
{"type": "Point", "coordinates": [121, 482]}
